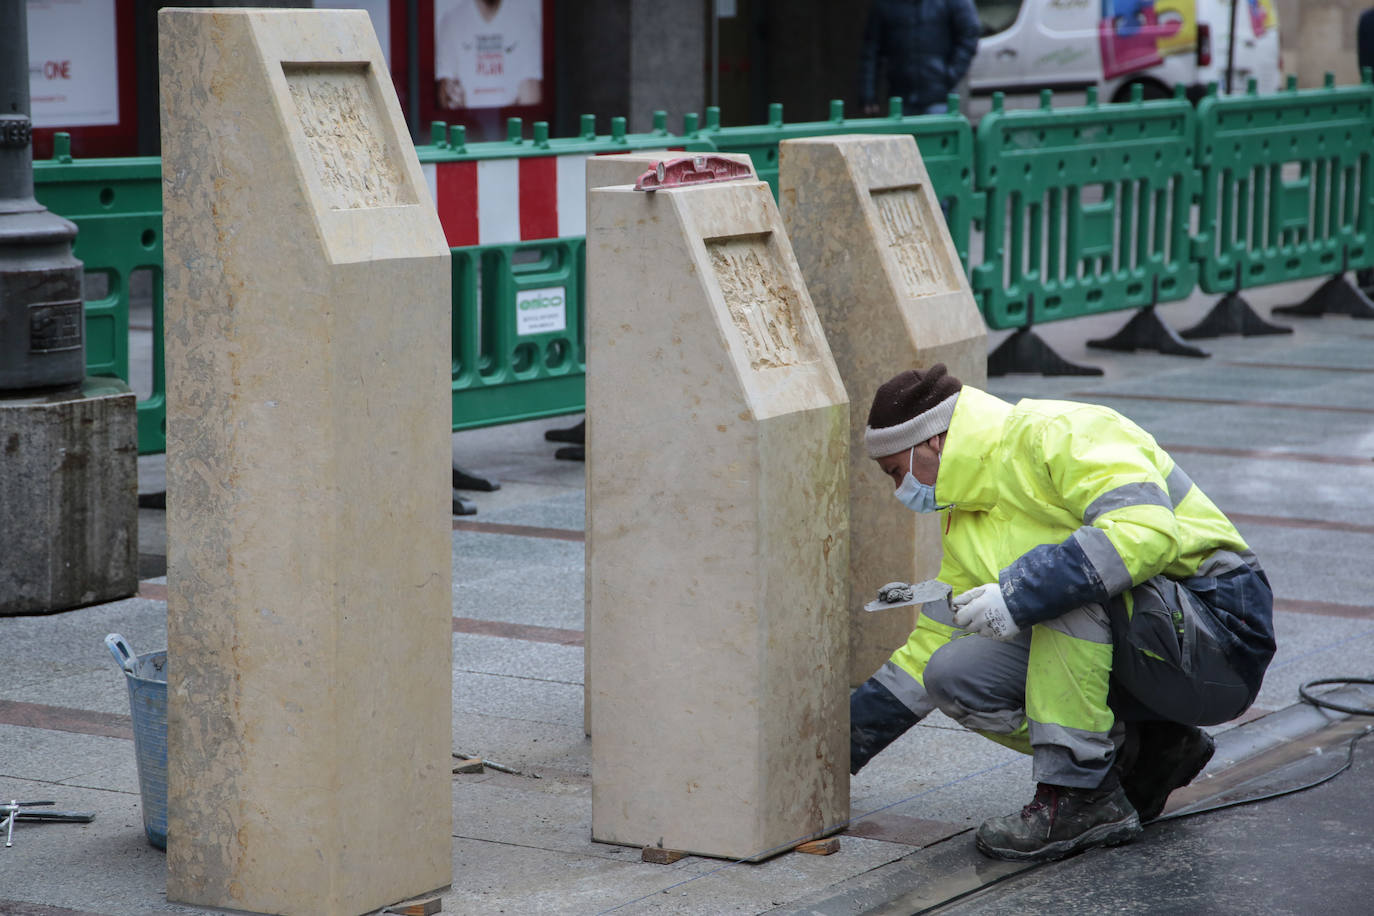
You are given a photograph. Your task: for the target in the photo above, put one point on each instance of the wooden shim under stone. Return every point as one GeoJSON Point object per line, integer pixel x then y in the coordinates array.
{"type": "Point", "coordinates": [426, 907]}
{"type": "Point", "coordinates": [655, 855]}
{"type": "Point", "coordinates": [826, 847]}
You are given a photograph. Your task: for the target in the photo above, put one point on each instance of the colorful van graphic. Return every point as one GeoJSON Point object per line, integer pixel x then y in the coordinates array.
{"type": "Point", "coordinates": [1139, 34]}
{"type": "Point", "coordinates": [1111, 44]}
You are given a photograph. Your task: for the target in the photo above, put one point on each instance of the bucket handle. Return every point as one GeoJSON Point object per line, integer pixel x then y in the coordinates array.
{"type": "Point", "coordinates": [121, 650]}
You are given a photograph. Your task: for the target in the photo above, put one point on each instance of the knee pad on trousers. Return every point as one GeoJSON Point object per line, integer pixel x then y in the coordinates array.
{"type": "Point", "coordinates": [959, 687]}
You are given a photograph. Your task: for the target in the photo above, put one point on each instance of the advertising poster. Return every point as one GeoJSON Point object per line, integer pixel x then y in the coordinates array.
{"type": "Point", "coordinates": [488, 54]}
{"type": "Point", "coordinates": [73, 64]}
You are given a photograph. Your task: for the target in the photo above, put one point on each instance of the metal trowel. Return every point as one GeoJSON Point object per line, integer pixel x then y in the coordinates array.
{"type": "Point", "coordinates": [921, 593]}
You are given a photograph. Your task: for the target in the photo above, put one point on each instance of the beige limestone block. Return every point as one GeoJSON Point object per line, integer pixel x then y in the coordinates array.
{"type": "Point", "coordinates": [602, 172]}
{"type": "Point", "coordinates": [717, 528]}
{"type": "Point", "coordinates": [1326, 44]}
{"type": "Point", "coordinates": [891, 294]}
{"type": "Point", "coordinates": [309, 594]}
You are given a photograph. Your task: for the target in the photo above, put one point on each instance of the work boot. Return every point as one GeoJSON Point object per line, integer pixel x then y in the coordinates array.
{"type": "Point", "coordinates": [1061, 820]}
{"type": "Point", "coordinates": [1169, 757]}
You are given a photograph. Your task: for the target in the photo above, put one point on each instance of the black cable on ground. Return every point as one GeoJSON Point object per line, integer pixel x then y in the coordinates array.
{"type": "Point", "coordinates": [1034, 866]}
{"type": "Point", "coordinates": [1322, 703]}
{"type": "Point", "coordinates": [1222, 806]}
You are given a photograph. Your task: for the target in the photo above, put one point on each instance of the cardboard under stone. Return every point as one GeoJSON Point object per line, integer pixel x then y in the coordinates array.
{"type": "Point", "coordinates": [717, 543]}
{"type": "Point", "coordinates": [891, 294]}
{"type": "Point", "coordinates": [606, 171]}
{"type": "Point", "coordinates": [308, 586]}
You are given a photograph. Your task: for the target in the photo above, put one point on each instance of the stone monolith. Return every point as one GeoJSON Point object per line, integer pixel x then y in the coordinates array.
{"type": "Point", "coordinates": [717, 542]}
{"type": "Point", "coordinates": [308, 450]}
{"type": "Point", "coordinates": [606, 171]}
{"type": "Point", "coordinates": [891, 294]}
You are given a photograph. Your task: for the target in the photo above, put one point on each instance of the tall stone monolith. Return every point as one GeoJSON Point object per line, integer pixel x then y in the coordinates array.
{"type": "Point", "coordinates": [308, 451]}
{"type": "Point", "coordinates": [717, 528]}
{"type": "Point", "coordinates": [606, 171]}
{"type": "Point", "coordinates": [892, 295]}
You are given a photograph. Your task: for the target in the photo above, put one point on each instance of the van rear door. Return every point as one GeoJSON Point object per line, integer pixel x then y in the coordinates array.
{"type": "Point", "coordinates": [1257, 43]}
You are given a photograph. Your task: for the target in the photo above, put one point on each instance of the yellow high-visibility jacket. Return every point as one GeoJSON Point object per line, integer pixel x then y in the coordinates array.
{"type": "Point", "coordinates": [1064, 504]}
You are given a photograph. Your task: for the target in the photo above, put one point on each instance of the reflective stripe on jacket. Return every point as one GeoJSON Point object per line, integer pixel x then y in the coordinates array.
{"type": "Point", "coordinates": [1065, 504]}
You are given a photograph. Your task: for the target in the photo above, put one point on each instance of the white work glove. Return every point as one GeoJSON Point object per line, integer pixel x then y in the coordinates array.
{"type": "Point", "coordinates": [983, 610]}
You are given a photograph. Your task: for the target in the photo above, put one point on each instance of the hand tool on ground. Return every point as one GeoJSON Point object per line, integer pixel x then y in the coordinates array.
{"type": "Point", "coordinates": [18, 811]}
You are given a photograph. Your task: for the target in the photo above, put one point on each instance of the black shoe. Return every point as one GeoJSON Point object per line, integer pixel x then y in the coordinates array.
{"type": "Point", "coordinates": [1169, 757]}
{"type": "Point", "coordinates": [1060, 821]}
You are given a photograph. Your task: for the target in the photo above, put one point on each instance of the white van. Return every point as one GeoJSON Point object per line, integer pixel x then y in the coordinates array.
{"type": "Point", "coordinates": [1029, 45]}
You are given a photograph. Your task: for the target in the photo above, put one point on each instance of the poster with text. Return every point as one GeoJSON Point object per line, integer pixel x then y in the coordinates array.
{"type": "Point", "coordinates": [73, 67]}
{"type": "Point", "coordinates": [488, 53]}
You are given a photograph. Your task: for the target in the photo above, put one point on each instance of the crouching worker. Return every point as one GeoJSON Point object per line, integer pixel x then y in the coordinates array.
{"type": "Point", "coordinates": [1104, 607]}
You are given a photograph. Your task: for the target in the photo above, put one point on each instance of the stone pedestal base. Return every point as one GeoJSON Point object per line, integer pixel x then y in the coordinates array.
{"type": "Point", "coordinates": [891, 294]}
{"type": "Point", "coordinates": [717, 529]}
{"type": "Point", "coordinates": [69, 503]}
{"type": "Point", "coordinates": [309, 462]}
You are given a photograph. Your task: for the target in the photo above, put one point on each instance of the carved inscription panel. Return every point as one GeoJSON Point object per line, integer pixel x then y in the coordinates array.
{"type": "Point", "coordinates": [764, 306]}
{"type": "Point", "coordinates": [913, 238]}
{"type": "Point", "coordinates": [344, 130]}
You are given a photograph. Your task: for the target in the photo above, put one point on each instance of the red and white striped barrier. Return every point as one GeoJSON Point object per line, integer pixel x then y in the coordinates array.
{"type": "Point", "coordinates": [497, 201]}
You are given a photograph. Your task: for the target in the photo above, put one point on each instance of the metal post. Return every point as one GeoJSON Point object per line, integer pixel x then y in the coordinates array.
{"type": "Point", "coordinates": [16, 163]}
{"type": "Point", "coordinates": [715, 52]}
{"type": "Point", "coordinates": [1231, 47]}
{"type": "Point", "coordinates": [42, 321]}
{"type": "Point", "coordinates": [413, 67]}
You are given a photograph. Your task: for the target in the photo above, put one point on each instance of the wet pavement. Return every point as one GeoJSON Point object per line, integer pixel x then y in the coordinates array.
{"type": "Point", "coordinates": [1279, 431]}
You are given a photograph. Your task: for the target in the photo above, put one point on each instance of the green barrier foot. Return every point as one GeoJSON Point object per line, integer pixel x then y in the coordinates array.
{"type": "Point", "coordinates": [466, 480]}
{"type": "Point", "coordinates": [1337, 296]}
{"type": "Point", "coordinates": [153, 500]}
{"type": "Point", "coordinates": [1026, 351]}
{"type": "Point", "coordinates": [1146, 331]}
{"type": "Point", "coordinates": [577, 435]}
{"type": "Point", "coordinates": [1232, 315]}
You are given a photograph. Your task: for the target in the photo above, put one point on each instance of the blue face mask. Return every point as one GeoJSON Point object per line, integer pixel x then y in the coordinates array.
{"type": "Point", "coordinates": [917, 496]}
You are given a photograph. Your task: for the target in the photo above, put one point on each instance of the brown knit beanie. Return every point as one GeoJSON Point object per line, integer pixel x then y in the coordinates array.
{"type": "Point", "coordinates": [909, 408]}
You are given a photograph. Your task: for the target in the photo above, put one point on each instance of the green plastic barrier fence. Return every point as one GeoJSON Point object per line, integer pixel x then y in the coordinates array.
{"type": "Point", "coordinates": [519, 351]}
{"type": "Point", "coordinates": [117, 207]}
{"type": "Point", "coordinates": [505, 369]}
{"type": "Point", "coordinates": [518, 303]}
{"type": "Point", "coordinates": [945, 141]}
{"type": "Point", "coordinates": [1286, 188]}
{"type": "Point", "coordinates": [1087, 209]}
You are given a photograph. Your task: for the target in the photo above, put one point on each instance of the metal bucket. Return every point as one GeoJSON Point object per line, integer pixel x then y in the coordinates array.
{"type": "Point", "coordinates": [146, 676]}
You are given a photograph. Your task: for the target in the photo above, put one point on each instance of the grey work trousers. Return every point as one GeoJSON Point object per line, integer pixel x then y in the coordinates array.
{"type": "Point", "coordinates": [1168, 661]}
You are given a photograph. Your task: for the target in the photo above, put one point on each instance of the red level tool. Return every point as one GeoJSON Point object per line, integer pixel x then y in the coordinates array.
{"type": "Point", "coordinates": [688, 170]}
